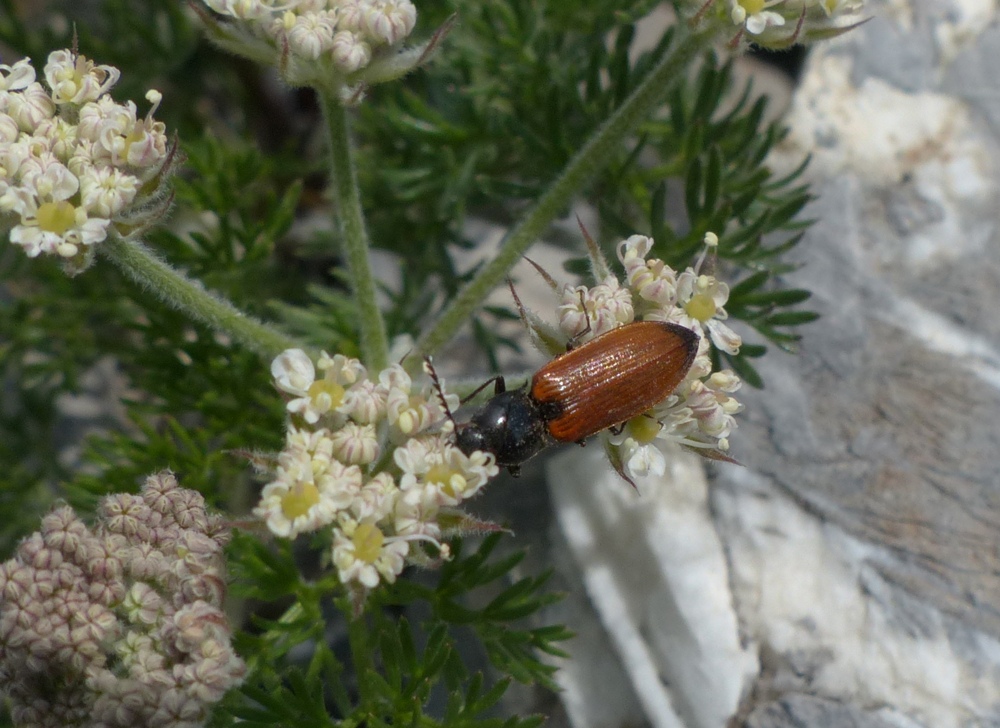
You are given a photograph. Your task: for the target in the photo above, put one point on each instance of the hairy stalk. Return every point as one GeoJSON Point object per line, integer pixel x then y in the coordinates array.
{"type": "Point", "coordinates": [139, 264]}
{"type": "Point", "coordinates": [374, 345]}
{"type": "Point", "coordinates": [587, 162]}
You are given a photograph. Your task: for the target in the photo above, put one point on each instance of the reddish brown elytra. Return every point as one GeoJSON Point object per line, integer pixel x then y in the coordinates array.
{"type": "Point", "coordinates": [604, 382]}
{"type": "Point", "coordinates": [613, 377]}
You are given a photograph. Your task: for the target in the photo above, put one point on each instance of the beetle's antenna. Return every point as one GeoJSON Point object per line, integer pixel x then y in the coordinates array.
{"type": "Point", "coordinates": [571, 344]}
{"type": "Point", "coordinates": [429, 368]}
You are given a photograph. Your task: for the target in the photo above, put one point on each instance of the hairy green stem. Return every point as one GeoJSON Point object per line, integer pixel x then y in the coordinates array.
{"type": "Point", "coordinates": [588, 161]}
{"type": "Point", "coordinates": [190, 297]}
{"type": "Point", "coordinates": [374, 345]}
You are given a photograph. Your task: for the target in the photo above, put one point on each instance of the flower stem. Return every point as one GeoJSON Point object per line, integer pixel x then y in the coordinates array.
{"type": "Point", "coordinates": [585, 164]}
{"type": "Point", "coordinates": [139, 264]}
{"type": "Point", "coordinates": [374, 345]}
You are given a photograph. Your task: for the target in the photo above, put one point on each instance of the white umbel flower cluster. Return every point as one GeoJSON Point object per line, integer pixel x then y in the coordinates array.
{"type": "Point", "coordinates": [307, 37]}
{"type": "Point", "coordinates": [699, 413]}
{"type": "Point", "coordinates": [73, 162]}
{"type": "Point", "coordinates": [782, 23]}
{"type": "Point", "coordinates": [369, 461]}
{"type": "Point", "coordinates": [119, 624]}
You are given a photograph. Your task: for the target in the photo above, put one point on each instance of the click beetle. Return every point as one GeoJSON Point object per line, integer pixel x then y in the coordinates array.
{"type": "Point", "coordinates": [600, 384]}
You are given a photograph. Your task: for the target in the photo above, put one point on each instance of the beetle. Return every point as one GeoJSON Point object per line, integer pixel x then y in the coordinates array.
{"type": "Point", "coordinates": [599, 384]}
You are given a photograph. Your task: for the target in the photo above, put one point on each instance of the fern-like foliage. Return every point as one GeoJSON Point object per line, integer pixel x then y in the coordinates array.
{"type": "Point", "coordinates": [394, 670]}
{"type": "Point", "coordinates": [480, 133]}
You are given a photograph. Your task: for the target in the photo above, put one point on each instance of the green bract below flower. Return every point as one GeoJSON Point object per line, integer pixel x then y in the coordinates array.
{"type": "Point", "coordinates": [782, 23]}
{"type": "Point", "coordinates": [73, 162]}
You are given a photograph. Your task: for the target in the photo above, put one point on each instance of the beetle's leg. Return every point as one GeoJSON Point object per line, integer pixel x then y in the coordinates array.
{"type": "Point", "coordinates": [500, 387]}
{"type": "Point", "coordinates": [617, 429]}
{"type": "Point", "coordinates": [514, 470]}
{"type": "Point", "coordinates": [581, 442]}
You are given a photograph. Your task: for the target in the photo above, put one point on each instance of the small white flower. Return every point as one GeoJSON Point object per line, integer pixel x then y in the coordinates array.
{"type": "Point", "coordinates": [15, 78]}
{"type": "Point", "coordinates": [641, 460]}
{"type": "Point", "coordinates": [341, 368]}
{"type": "Point", "coordinates": [363, 554]}
{"type": "Point", "coordinates": [146, 146]}
{"type": "Point", "coordinates": [606, 306]}
{"type": "Point", "coordinates": [355, 444]}
{"type": "Point", "coordinates": [142, 604]}
{"type": "Point", "coordinates": [439, 467]}
{"type": "Point", "coordinates": [753, 14]}
{"type": "Point", "coordinates": [652, 280]}
{"type": "Point", "coordinates": [638, 449]}
{"type": "Point", "coordinates": [377, 499]}
{"type": "Point", "coordinates": [416, 515]}
{"type": "Point", "coordinates": [390, 21]}
{"type": "Point", "coordinates": [310, 487]}
{"type": "Point", "coordinates": [110, 126]}
{"type": "Point", "coordinates": [57, 136]}
{"type": "Point", "coordinates": [309, 34]}
{"type": "Point", "coordinates": [713, 409]}
{"type": "Point", "coordinates": [293, 372]}
{"type": "Point", "coordinates": [73, 79]}
{"type": "Point", "coordinates": [30, 107]}
{"type": "Point", "coordinates": [12, 158]}
{"type": "Point", "coordinates": [349, 51]}
{"type": "Point", "coordinates": [106, 191]}
{"type": "Point", "coordinates": [351, 14]}
{"type": "Point", "coordinates": [46, 177]}
{"type": "Point", "coordinates": [702, 299]}
{"type": "Point", "coordinates": [365, 401]}
{"type": "Point", "coordinates": [408, 412]}
{"type": "Point", "coordinates": [50, 222]}
{"type": "Point", "coordinates": [8, 130]}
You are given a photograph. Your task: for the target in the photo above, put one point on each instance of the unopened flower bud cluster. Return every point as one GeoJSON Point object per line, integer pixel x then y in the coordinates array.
{"type": "Point", "coordinates": [699, 413]}
{"type": "Point", "coordinates": [369, 460]}
{"type": "Point", "coordinates": [783, 23]}
{"type": "Point", "coordinates": [74, 162]}
{"type": "Point", "coordinates": [347, 34]}
{"type": "Point", "coordinates": [119, 625]}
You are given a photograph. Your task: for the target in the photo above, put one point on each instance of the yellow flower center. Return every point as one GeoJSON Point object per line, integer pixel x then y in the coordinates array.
{"type": "Point", "coordinates": [137, 134]}
{"type": "Point", "coordinates": [439, 473]}
{"type": "Point", "coordinates": [644, 429]}
{"type": "Point", "coordinates": [56, 217]}
{"type": "Point", "coordinates": [701, 307]}
{"type": "Point", "coordinates": [446, 477]}
{"type": "Point", "coordinates": [330, 388]}
{"type": "Point", "coordinates": [368, 540]}
{"type": "Point", "coordinates": [299, 499]}
{"type": "Point", "coordinates": [753, 6]}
